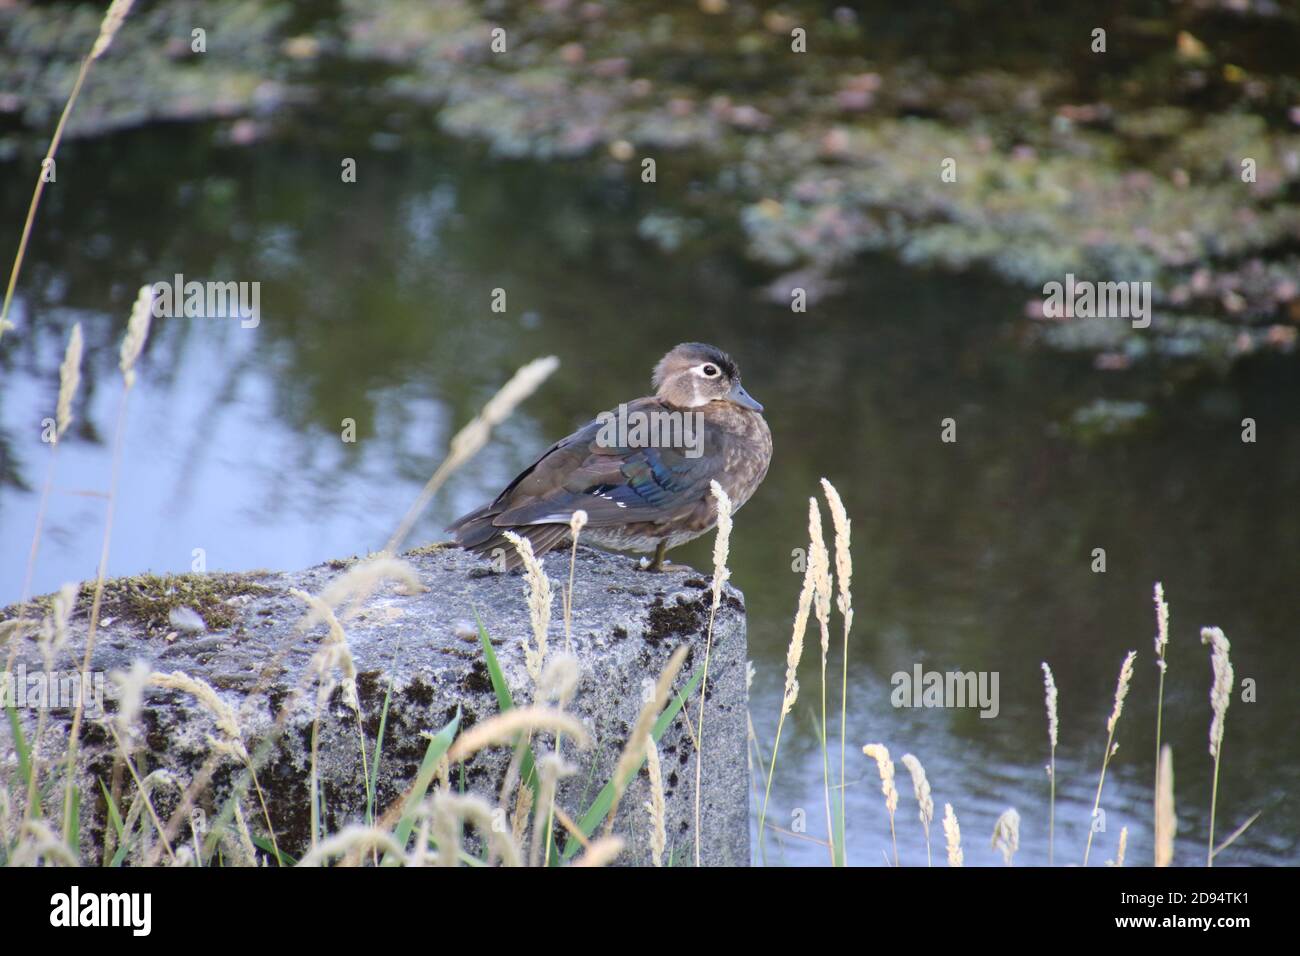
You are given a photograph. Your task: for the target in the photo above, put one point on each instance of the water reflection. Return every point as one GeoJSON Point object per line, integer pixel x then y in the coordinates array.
{"type": "Point", "coordinates": [972, 556]}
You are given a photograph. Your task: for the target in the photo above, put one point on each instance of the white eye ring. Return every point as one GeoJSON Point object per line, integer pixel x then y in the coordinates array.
{"type": "Point", "coordinates": [709, 371]}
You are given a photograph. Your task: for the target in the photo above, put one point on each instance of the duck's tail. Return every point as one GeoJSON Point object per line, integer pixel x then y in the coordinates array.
{"type": "Point", "coordinates": [475, 532]}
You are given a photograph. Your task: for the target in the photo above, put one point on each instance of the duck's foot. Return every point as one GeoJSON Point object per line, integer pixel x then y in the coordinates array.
{"type": "Point", "coordinates": [656, 563]}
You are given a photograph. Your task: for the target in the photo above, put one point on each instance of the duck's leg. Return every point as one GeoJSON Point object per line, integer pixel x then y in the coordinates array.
{"type": "Point", "coordinates": [657, 563]}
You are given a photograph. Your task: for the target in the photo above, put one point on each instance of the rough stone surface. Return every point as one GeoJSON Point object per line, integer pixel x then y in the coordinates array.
{"type": "Point", "coordinates": [626, 623]}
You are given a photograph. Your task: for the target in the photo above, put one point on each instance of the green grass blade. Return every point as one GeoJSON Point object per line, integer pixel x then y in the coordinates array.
{"type": "Point", "coordinates": [379, 751]}
{"type": "Point", "coordinates": [527, 771]}
{"type": "Point", "coordinates": [24, 758]}
{"type": "Point", "coordinates": [504, 700]}
{"type": "Point", "coordinates": [115, 820]}
{"type": "Point", "coordinates": [837, 837]}
{"type": "Point", "coordinates": [281, 858]}
{"type": "Point", "coordinates": [599, 808]}
{"type": "Point", "coordinates": [433, 754]}
{"type": "Point", "coordinates": [74, 817]}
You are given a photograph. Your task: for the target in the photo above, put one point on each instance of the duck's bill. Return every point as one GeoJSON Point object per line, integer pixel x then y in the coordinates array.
{"type": "Point", "coordinates": [743, 398]}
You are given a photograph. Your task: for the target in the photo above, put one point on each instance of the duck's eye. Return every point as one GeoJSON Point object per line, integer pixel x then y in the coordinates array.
{"type": "Point", "coordinates": [710, 371]}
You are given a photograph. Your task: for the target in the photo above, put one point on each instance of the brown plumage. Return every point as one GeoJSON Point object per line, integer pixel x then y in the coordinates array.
{"type": "Point", "coordinates": [640, 472]}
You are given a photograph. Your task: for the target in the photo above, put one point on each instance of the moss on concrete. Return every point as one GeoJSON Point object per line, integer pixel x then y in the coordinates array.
{"type": "Point", "coordinates": [147, 600]}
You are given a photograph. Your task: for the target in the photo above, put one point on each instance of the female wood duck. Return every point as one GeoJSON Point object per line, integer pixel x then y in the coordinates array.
{"type": "Point", "coordinates": [641, 473]}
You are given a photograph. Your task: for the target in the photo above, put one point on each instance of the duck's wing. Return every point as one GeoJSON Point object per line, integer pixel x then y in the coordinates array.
{"type": "Point", "coordinates": [614, 485]}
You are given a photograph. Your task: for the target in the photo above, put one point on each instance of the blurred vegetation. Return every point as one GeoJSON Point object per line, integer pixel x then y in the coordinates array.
{"type": "Point", "coordinates": [1117, 165]}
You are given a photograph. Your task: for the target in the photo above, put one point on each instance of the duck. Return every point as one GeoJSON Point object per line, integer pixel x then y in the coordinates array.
{"type": "Point", "coordinates": [642, 472]}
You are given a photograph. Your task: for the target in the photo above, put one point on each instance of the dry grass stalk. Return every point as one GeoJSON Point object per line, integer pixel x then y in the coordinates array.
{"type": "Point", "coordinates": [721, 542]}
{"type": "Point", "coordinates": [559, 683]}
{"type": "Point", "coordinates": [355, 585]}
{"type": "Point", "coordinates": [249, 851]}
{"type": "Point", "coordinates": [844, 602]}
{"type": "Point", "coordinates": [721, 551]}
{"type": "Point", "coordinates": [655, 806]}
{"type": "Point", "coordinates": [1161, 649]}
{"type": "Point", "coordinates": [601, 852]}
{"type": "Point", "coordinates": [1162, 625]}
{"type": "Point", "coordinates": [130, 697]}
{"type": "Point", "coordinates": [559, 680]}
{"type": "Point", "coordinates": [819, 559]}
{"type": "Point", "coordinates": [540, 597]}
{"type": "Point", "coordinates": [952, 836]}
{"type": "Point", "coordinates": [1166, 825]}
{"type": "Point", "coordinates": [451, 811]}
{"type": "Point", "coordinates": [523, 810]}
{"type": "Point", "coordinates": [792, 657]}
{"type": "Point", "coordinates": [880, 754]}
{"type": "Point", "coordinates": [143, 800]}
{"type": "Point", "coordinates": [550, 769]}
{"type": "Point", "coordinates": [1049, 691]}
{"type": "Point", "coordinates": [1121, 849]}
{"type": "Point", "coordinates": [1221, 691]}
{"type": "Point", "coordinates": [470, 440]}
{"type": "Point", "coordinates": [1220, 697]}
{"type": "Point", "coordinates": [576, 523]}
{"type": "Point", "coordinates": [354, 839]}
{"type": "Point", "coordinates": [1006, 835]}
{"type": "Point", "coordinates": [794, 653]}
{"type": "Point", "coordinates": [504, 728]}
{"type": "Point", "coordinates": [334, 654]}
{"type": "Point", "coordinates": [1121, 691]}
{"type": "Point", "coordinates": [109, 26]}
{"type": "Point", "coordinates": [221, 712]}
{"type": "Point", "coordinates": [924, 801]}
{"type": "Point", "coordinates": [137, 334]}
{"type": "Point", "coordinates": [52, 638]}
{"type": "Point", "coordinates": [69, 381]}
{"type": "Point", "coordinates": [38, 844]}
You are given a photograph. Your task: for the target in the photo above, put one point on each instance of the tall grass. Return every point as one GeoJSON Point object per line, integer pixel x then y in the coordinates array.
{"type": "Point", "coordinates": [794, 653]}
{"type": "Point", "coordinates": [440, 816]}
{"type": "Point", "coordinates": [1006, 838]}
{"type": "Point", "coordinates": [819, 558]}
{"type": "Point", "coordinates": [137, 333]}
{"type": "Point", "coordinates": [721, 551]}
{"type": "Point", "coordinates": [844, 604]}
{"type": "Point", "coordinates": [1162, 664]}
{"type": "Point", "coordinates": [880, 754]}
{"type": "Point", "coordinates": [1220, 696]}
{"type": "Point", "coordinates": [114, 17]}
{"type": "Point", "coordinates": [1049, 691]}
{"type": "Point", "coordinates": [69, 372]}
{"type": "Point", "coordinates": [1166, 824]}
{"type": "Point", "coordinates": [1006, 835]}
{"type": "Point", "coordinates": [924, 800]}
{"type": "Point", "coordinates": [427, 823]}
{"type": "Point", "coordinates": [1121, 691]}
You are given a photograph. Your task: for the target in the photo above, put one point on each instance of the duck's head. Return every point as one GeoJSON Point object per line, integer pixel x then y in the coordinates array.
{"type": "Point", "coordinates": [694, 374]}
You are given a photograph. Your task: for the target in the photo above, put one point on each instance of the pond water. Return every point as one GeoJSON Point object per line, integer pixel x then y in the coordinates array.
{"type": "Point", "coordinates": [973, 555]}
